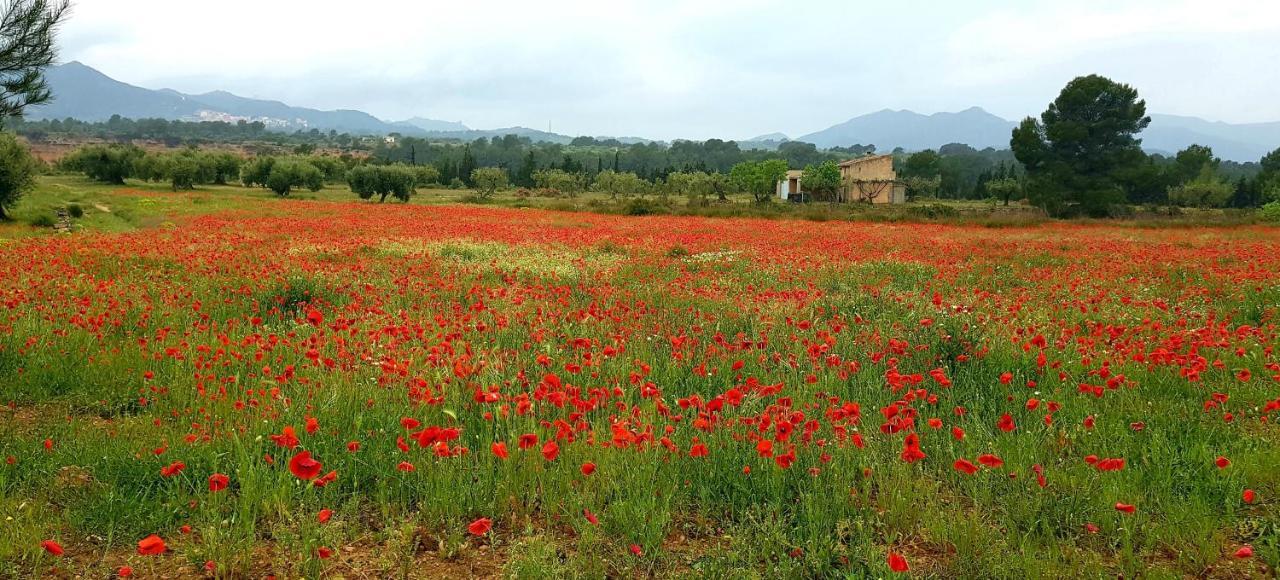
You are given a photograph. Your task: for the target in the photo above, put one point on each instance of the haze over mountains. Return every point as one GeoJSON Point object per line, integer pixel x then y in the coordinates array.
{"type": "Point", "coordinates": [84, 93]}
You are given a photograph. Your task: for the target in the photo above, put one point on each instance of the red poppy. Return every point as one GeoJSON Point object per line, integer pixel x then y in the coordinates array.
{"type": "Point", "coordinates": [550, 451]}
{"type": "Point", "coordinates": [588, 468]}
{"type": "Point", "coordinates": [405, 466]}
{"type": "Point", "coordinates": [963, 465]}
{"type": "Point", "coordinates": [586, 513]}
{"type": "Point", "coordinates": [314, 317]}
{"type": "Point", "coordinates": [480, 527]}
{"type": "Point", "coordinates": [218, 482]}
{"type": "Point", "coordinates": [304, 467]}
{"type": "Point", "coordinates": [1126, 508]}
{"type": "Point", "coordinates": [499, 449]}
{"type": "Point", "coordinates": [1249, 496]}
{"type": "Point", "coordinates": [911, 449]}
{"type": "Point", "coordinates": [172, 469]}
{"type": "Point", "coordinates": [124, 572]}
{"type": "Point", "coordinates": [990, 460]}
{"type": "Point", "coordinates": [1222, 462]}
{"type": "Point", "coordinates": [324, 515]}
{"type": "Point", "coordinates": [287, 438]}
{"type": "Point", "coordinates": [52, 547]}
{"type": "Point", "coordinates": [897, 563]}
{"type": "Point", "coordinates": [1244, 552]}
{"type": "Point", "coordinates": [1006, 423]}
{"type": "Point", "coordinates": [1108, 464]}
{"type": "Point", "coordinates": [635, 549]}
{"type": "Point", "coordinates": [528, 440]}
{"type": "Point", "coordinates": [151, 546]}
{"type": "Point", "coordinates": [324, 552]}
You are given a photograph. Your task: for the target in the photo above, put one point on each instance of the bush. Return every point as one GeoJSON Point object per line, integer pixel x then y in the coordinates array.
{"type": "Point", "coordinates": [17, 171]}
{"type": "Point", "coordinates": [425, 176]}
{"type": "Point", "coordinates": [44, 220]}
{"type": "Point", "coordinates": [108, 164]}
{"type": "Point", "coordinates": [638, 207]}
{"type": "Point", "coordinates": [1270, 212]}
{"type": "Point", "coordinates": [932, 211]}
{"type": "Point", "coordinates": [75, 211]}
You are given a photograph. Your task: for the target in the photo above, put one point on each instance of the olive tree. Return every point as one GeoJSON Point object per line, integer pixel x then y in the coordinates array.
{"type": "Point", "coordinates": [619, 184]}
{"type": "Point", "coordinates": [105, 163]}
{"type": "Point", "coordinates": [560, 180]}
{"type": "Point", "coordinates": [488, 180]}
{"type": "Point", "coordinates": [370, 180]}
{"type": "Point", "coordinates": [287, 174]}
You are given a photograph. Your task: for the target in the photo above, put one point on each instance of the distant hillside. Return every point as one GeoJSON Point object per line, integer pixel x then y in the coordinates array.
{"type": "Point", "coordinates": [980, 129]}
{"type": "Point", "coordinates": [912, 131]}
{"type": "Point", "coordinates": [80, 92]}
{"type": "Point", "coordinates": [1247, 142]}
{"type": "Point", "coordinates": [83, 93]}
{"type": "Point", "coordinates": [473, 134]}
{"type": "Point", "coordinates": [434, 125]}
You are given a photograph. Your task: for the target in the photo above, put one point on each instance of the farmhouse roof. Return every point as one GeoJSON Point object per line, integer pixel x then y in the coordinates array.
{"type": "Point", "coordinates": [859, 160]}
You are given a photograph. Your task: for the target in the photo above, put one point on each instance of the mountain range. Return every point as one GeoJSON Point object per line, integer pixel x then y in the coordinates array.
{"type": "Point", "coordinates": [84, 93]}
{"type": "Point", "coordinates": [977, 128]}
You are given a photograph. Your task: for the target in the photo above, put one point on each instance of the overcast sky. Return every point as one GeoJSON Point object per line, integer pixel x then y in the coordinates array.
{"type": "Point", "coordinates": [688, 68]}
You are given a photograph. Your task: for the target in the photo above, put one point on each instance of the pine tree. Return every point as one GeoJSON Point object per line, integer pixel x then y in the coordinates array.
{"type": "Point", "coordinates": [524, 177]}
{"type": "Point", "coordinates": [27, 29]}
{"type": "Point", "coordinates": [467, 165]}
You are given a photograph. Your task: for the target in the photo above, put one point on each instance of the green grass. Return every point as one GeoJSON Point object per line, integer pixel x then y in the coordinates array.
{"type": "Point", "coordinates": [424, 306]}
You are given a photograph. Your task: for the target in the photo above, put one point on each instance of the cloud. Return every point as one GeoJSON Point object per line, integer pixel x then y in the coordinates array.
{"type": "Point", "coordinates": [670, 68]}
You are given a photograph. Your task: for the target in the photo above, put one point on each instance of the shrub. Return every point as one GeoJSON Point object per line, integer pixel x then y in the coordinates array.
{"type": "Point", "coordinates": [17, 171]}
{"type": "Point", "coordinates": [108, 164]}
{"type": "Point", "coordinates": [637, 207]}
{"type": "Point", "coordinates": [43, 220]}
{"type": "Point", "coordinates": [425, 176]}
{"type": "Point", "coordinates": [1270, 212]}
{"type": "Point", "coordinates": [75, 211]}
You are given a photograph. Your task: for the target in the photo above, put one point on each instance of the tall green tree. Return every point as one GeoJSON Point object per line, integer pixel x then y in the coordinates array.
{"type": "Point", "coordinates": [759, 178]}
{"type": "Point", "coordinates": [925, 163]}
{"type": "Point", "coordinates": [27, 30]}
{"type": "Point", "coordinates": [822, 181]}
{"type": "Point", "coordinates": [1268, 180]}
{"type": "Point", "coordinates": [1189, 163]}
{"type": "Point", "coordinates": [467, 167]}
{"type": "Point", "coordinates": [1075, 152]}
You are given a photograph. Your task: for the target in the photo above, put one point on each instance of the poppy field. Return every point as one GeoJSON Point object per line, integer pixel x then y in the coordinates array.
{"type": "Point", "coordinates": [307, 389]}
